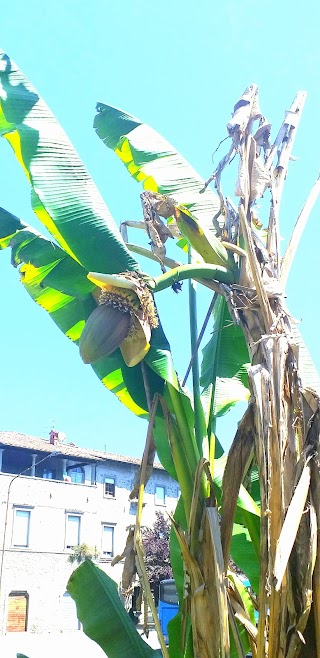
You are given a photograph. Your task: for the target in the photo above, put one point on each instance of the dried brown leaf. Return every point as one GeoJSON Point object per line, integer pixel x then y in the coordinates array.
{"type": "Point", "coordinates": [291, 525]}
{"type": "Point", "coordinates": [246, 108]}
{"type": "Point", "coordinates": [129, 567]}
{"type": "Point", "coordinates": [239, 457]}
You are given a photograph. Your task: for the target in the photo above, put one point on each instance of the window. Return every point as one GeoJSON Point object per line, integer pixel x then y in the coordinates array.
{"type": "Point", "coordinates": [77, 474]}
{"type": "Point", "coordinates": [21, 527]}
{"type": "Point", "coordinates": [109, 487]}
{"type": "Point", "coordinates": [72, 530]}
{"type": "Point", "coordinates": [160, 496]}
{"type": "Point", "coordinates": [133, 507]}
{"type": "Point", "coordinates": [107, 540]}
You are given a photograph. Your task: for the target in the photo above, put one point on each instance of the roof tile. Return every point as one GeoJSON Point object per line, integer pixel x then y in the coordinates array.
{"type": "Point", "coordinates": [19, 440]}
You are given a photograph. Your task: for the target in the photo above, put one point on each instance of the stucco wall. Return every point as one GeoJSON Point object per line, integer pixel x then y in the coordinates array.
{"type": "Point", "coordinates": [42, 569]}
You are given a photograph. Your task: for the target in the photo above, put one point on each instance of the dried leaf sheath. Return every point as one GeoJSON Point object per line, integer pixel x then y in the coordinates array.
{"type": "Point", "coordinates": [278, 402]}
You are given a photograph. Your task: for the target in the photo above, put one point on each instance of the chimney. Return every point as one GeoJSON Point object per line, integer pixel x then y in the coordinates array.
{"type": "Point", "coordinates": [54, 437]}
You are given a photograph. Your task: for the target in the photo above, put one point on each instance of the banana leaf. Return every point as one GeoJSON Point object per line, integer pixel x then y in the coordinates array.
{"type": "Point", "coordinates": [103, 616]}
{"type": "Point", "coordinates": [246, 529]}
{"type": "Point", "coordinates": [59, 284]}
{"type": "Point", "coordinates": [67, 202]}
{"type": "Point", "coordinates": [175, 626]}
{"type": "Point", "coordinates": [64, 197]}
{"type": "Point", "coordinates": [307, 370]}
{"type": "Point", "coordinates": [224, 375]}
{"type": "Point", "coordinates": [244, 555]}
{"type": "Point", "coordinates": [152, 161]}
{"type": "Point", "coordinates": [55, 173]}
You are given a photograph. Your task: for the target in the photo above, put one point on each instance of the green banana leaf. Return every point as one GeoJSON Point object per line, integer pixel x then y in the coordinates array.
{"type": "Point", "coordinates": [174, 631]}
{"type": "Point", "coordinates": [246, 529]}
{"type": "Point", "coordinates": [243, 635]}
{"type": "Point", "coordinates": [247, 518]}
{"type": "Point", "coordinates": [245, 500]}
{"type": "Point", "coordinates": [224, 375]}
{"type": "Point", "coordinates": [103, 616]}
{"type": "Point", "coordinates": [67, 202]}
{"type": "Point", "coordinates": [244, 593]}
{"type": "Point", "coordinates": [59, 284]}
{"type": "Point", "coordinates": [64, 198]}
{"type": "Point", "coordinates": [247, 602]}
{"type": "Point", "coordinates": [152, 161]}
{"type": "Point", "coordinates": [244, 555]}
{"type": "Point", "coordinates": [174, 627]}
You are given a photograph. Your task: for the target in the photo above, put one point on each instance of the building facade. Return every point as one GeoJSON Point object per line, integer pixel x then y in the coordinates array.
{"type": "Point", "coordinates": [55, 496]}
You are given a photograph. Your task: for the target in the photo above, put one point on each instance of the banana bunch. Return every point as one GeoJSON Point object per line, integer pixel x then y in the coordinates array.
{"type": "Point", "coordinates": [124, 318]}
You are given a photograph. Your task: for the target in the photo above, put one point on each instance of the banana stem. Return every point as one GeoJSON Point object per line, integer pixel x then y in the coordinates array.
{"type": "Point", "coordinates": [198, 411]}
{"type": "Point", "coordinates": [203, 271]}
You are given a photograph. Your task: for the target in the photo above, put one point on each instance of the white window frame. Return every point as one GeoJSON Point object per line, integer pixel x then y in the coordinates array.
{"type": "Point", "coordinates": [106, 554]}
{"type": "Point", "coordinates": [157, 500]}
{"type": "Point", "coordinates": [78, 516]}
{"type": "Point", "coordinates": [26, 511]}
{"type": "Point", "coordinates": [112, 481]}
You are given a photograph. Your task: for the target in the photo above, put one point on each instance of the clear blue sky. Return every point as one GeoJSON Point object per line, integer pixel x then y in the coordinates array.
{"type": "Point", "coordinates": [180, 67]}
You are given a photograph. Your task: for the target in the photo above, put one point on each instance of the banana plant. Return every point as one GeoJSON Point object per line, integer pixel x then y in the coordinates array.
{"type": "Point", "coordinates": [91, 284]}
{"type": "Point", "coordinates": [85, 294]}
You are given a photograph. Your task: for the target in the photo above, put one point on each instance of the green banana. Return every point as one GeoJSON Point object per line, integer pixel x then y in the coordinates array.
{"type": "Point", "coordinates": [208, 246]}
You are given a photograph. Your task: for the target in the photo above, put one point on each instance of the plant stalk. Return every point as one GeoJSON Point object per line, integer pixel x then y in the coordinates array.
{"type": "Point", "coordinates": [198, 411]}
{"type": "Point", "coordinates": [203, 271]}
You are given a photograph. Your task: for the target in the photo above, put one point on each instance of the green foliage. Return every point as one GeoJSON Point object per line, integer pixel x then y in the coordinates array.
{"type": "Point", "coordinates": [244, 555]}
{"type": "Point", "coordinates": [224, 366]}
{"type": "Point", "coordinates": [152, 161]}
{"type": "Point", "coordinates": [64, 197]}
{"type": "Point", "coordinates": [69, 205]}
{"type": "Point", "coordinates": [103, 616]}
{"type": "Point", "coordinates": [156, 550]}
{"type": "Point", "coordinates": [174, 631]}
{"type": "Point", "coordinates": [83, 552]}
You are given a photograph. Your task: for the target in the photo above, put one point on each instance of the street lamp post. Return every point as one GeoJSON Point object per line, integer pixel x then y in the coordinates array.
{"type": "Point", "coordinates": [52, 454]}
